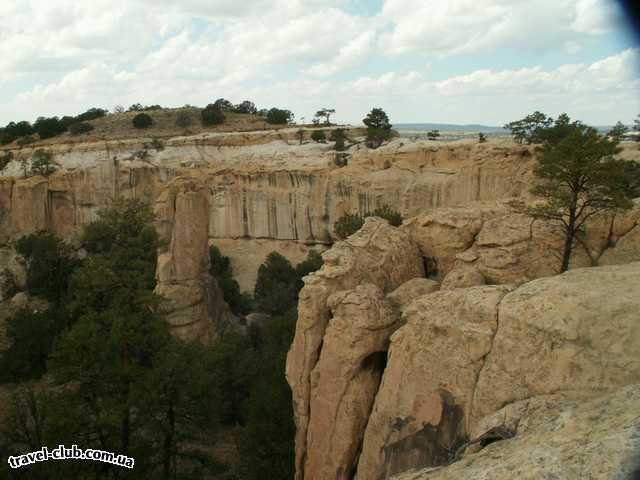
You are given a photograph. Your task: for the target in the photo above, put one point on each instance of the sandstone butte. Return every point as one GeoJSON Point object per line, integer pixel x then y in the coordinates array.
{"type": "Point", "coordinates": [448, 348]}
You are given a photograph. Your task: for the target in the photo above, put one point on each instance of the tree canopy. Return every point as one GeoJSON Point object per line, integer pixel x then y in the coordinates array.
{"type": "Point", "coordinates": [580, 178]}
{"type": "Point", "coordinates": [529, 128]}
{"type": "Point", "coordinates": [378, 127]}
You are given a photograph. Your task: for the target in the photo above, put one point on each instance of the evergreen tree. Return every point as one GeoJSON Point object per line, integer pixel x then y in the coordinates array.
{"type": "Point", "coordinates": [580, 178]}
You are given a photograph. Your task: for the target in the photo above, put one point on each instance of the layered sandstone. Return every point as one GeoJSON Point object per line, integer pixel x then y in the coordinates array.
{"type": "Point", "coordinates": [261, 185]}
{"type": "Point", "coordinates": [195, 307]}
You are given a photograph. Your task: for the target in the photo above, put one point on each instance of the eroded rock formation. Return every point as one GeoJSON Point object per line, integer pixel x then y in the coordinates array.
{"type": "Point", "coordinates": [460, 358]}
{"type": "Point", "coordinates": [195, 306]}
{"type": "Point", "coordinates": [377, 254]}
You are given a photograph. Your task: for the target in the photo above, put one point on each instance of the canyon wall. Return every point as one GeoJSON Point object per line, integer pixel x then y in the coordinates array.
{"type": "Point", "coordinates": [260, 185]}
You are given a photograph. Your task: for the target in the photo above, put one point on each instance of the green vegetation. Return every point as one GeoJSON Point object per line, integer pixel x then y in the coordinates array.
{"type": "Point", "coordinates": [212, 115]}
{"type": "Point", "coordinates": [247, 106]}
{"type": "Point", "coordinates": [142, 120]}
{"type": "Point", "coordinates": [279, 116]}
{"type": "Point", "coordinates": [117, 380]}
{"type": "Point", "coordinates": [350, 223]}
{"type": "Point", "coordinates": [324, 113]}
{"type": "Point", "coordinates": [580, 178]}
{"type": "Point", "coordinates": [433, 134]}
{"type": "Point", "coordinates": [618, 131]}
{"type": "Point", "coordinates": [48, 127]}
{"type": "Point", "coordinates": [42, 163]}
{"type": "Point", "coordinates": [319, 136]}
{"type": "Point", "coordinates": [220, 269]}
{"type": "Point", "coordinates": [5, 158]}
{"type": "Point", "coordinates": [184, 120]}
{"type": "Point", "coordinates": [338, 136]}
{"type": "Point", "coordinates": [80, 128]}
{"type": "Point", "coordinates": [482, 138]}
{"type": "Point", "coordinates": [529, 128]}
{"type": "Point", "coordinates": [378, 127]}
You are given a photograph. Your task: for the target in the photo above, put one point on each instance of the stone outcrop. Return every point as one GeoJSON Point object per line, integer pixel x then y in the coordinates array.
{"type": "Point", "coordinates": [494, 243]}
{"type": "Point", "coordinates": [261, 186]}
{"type": "Point", "coordinates": [378, 254]}
{"type": "Point", "coordinates": [575, 332]}
{"type": "Point", "coordinates": [556, 438]}
{"type": "Point", "coordinates": [421, 411]}
{"type": "Point", "coordinates": [345, 380]}
{"type": "Point", "coordinates": [195, 305]}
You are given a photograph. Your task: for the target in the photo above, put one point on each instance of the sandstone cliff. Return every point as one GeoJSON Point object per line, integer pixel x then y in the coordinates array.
{"type": "Point", "coordinates": [260, 185]}
{"type": "Point", "coordinates": [391, 376]}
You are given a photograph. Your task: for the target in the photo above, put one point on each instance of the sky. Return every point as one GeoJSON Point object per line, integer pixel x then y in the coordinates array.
{"type": "Point", "coordinates": [453, 61]}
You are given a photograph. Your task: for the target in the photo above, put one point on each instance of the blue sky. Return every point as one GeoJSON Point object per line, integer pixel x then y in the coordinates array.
{"type": "Point", "coordinates": [459, 61]}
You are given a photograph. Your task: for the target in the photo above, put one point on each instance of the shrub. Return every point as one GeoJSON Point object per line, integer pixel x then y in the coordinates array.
{"type": "Point", "coordinates": [8, 284]}
{"type": "Point", "coordinates": [482, 138]}
{"type": "Point", "coordinates": [80, 128]}
{"type": "Point", "coordinates": [246, 106]}
{"type": "Point", "coordinates": [279, 116]}
{"type": "Point", "coordinates": [212, 115]}
{"type": "Point", "coordinates": [91, 114]}
{"type": "Point", "coordinates": [276, 288]}
{"type": "Point", "coordinates": [220, 269]}
{"type": "Point", "coordinates": [142, 120]}
{"type": "Point", "coordinates": [392, 216]}
{"type": "Point", "coordinates": [42, 163]}
{"type": "Point", "coordinates": [48, 127]}
{"type": "Point", "coordinates": [350, 223]}
{"type": "Point", "coordinates": [339, 137]}
{"type": "Point", "coordinates": [26, 140]}
{"type": "Point", "coordinates": [49, 267]}
{"type": "Point", "coordinates": [184, 120]}
{"type": "Point", "coordinates": [318, 136]}
{"type": "Point", "coordinates": [223, 104]}
{"type": "Point", "coordinates": [5, 158]}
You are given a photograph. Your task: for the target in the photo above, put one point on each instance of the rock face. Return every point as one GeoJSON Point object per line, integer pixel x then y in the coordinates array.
{"type": "Point", "coordinates": [377, 254]}
{"type": "Point", "coordinates": [260, 187]}
{"type": "Point", "coordinates": [492, 243]}
{"type": "Point", "coordinates": [195, 306]}
{"type": "Point", "coordinates": [557, 438]}
{"type": "Point", "coordinates": [495, 364]}
{"type": "Point", "coordinates": [346, 378]}
{"type": "Point", "coordinates": [575, 332]}
{"type": "Point", "coordinates": [421, 411]}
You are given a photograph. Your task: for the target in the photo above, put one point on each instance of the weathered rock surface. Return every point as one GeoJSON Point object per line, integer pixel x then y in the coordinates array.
{"type": "Point", "coordinates": [195, 305]}
{"type": "Point", "coordinates": [345, 380]}
{"type": "Point", "coordinates": [421, 410]}
{"type": "Point", "coordinates": [493, 243]}
{"type": "Point", "coordinates": [378, 254]}
{"type": "Point", "coordinates": [577, 332]}
{"type": "Point", "coordinates": [557, 438]}
{"type": "Point", "coordinates": [409, 291]}
{"type": "Point", "coordinates": [260, 186]}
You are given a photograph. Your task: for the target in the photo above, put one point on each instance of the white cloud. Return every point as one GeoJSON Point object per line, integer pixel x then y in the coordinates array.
{"type": "Point", "coordinates": [442, 28]}
{"type": "Point", "coordinates": [65, 56]}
